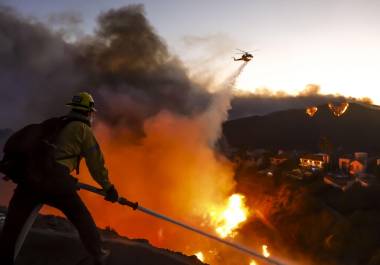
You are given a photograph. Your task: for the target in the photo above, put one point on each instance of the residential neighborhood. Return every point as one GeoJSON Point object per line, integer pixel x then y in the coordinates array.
{"type": "Point", "coordinates": [339, 171]}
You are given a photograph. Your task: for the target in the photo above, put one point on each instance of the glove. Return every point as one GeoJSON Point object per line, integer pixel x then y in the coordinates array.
{"type": "Point", "coordinates": [111, 194]}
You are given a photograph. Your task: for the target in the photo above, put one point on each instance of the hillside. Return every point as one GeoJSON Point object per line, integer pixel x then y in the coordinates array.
{"type": "Point", "coordinates": [358, 129]}
{"type": "Point", "coordinates": [53, 240]}
{"type": "Point", "coordinates": [312, 223]}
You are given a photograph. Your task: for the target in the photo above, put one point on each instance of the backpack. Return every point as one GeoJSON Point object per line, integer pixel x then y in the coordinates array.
{"type": "Point", "coordinates": [29, 153]}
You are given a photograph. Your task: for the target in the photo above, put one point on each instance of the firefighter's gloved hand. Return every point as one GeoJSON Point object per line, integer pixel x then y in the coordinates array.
{"type": "Point", "coordinates": [111, 194]}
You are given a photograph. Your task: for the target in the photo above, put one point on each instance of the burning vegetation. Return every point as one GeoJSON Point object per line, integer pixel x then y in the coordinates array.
{"type": "Point", "coordinates": [338, 109]}
{"type": "Point", "coordinates": [178, 176]}
{"type": "Point", "coordinates": [311, 111]}
{"type": "Point", "coordinates": [230, 217]}
{"type": "Point", "coordinates": [156, 127]}
{"type": "Point", "coordinates": [200, 256]}
{"type": "Point", "coordinates": [158, 130]}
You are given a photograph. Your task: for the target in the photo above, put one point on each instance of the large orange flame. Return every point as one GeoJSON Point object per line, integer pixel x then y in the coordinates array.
{"type": "Point", "coordinates": [173, 170]}
{"type": "Point", "coordinates": [200, 256]}
{"type": "Point", "coordinates": [228, 218]}
{"type": "Point", "coordinates": [265, 251]}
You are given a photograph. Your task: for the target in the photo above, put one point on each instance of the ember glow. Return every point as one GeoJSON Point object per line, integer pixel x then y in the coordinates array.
{"type": "Point", "coordinates": [340, 109]}
{"type": "Point", "coordinates": [200, 256]}
{"type": "Point", "coordinates": [311, 111]}
{"type": "Point", "coordinates": [253, 262]}
{"type": "Point", "coordinates": [265, 251]}
{"type": "Point", "coordinates": [231, 216]}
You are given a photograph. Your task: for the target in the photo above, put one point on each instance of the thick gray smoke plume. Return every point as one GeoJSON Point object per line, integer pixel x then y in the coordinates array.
{"type": "Point", "coordinates": [126, 65]}
{"type": "Point", "coordinates": [38, 71]}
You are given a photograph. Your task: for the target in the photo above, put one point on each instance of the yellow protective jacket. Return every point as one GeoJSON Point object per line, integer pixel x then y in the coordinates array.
{"type": "Point", "coordinates": [76, 141]}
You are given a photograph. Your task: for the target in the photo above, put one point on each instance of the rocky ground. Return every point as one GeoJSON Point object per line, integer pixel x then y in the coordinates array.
{"type": "Point", "coordinates": [53, 240]}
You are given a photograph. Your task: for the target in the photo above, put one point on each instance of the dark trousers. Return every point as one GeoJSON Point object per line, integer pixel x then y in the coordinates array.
{"type": "Point", "coordinates": [22, 204]}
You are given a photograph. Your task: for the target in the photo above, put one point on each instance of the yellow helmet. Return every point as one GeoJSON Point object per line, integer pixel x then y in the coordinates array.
{"type": "Point", "coordinates": [82, 101]}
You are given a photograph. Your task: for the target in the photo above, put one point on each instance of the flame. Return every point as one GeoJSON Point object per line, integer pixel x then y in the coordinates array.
{"type": "Point", "coordinates": [230, 217]}
{"type": "Point", "coordinates": [253, 262]}
{"type": "Point", "coordinates": [200, 256]}
{"type": "Point", "coordinates": [338, 110]}
{"type": "Point", "coordinates": [266, 253]}
{"type": "Point", "coordinates": [173, 170]}
{"type": "Point", "coordinates": [311, 111]}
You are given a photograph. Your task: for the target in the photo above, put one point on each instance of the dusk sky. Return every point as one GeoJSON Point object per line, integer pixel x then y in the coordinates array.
{"type": "Point", "coordinates": [335, 44]}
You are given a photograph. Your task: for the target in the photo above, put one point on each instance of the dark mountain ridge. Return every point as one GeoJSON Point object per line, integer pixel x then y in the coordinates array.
{"type": "Point", "coordinates": [358, 129]}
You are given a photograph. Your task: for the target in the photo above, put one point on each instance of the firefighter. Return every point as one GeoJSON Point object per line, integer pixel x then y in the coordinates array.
{"type": "Point", "coordinates": [75, 141]}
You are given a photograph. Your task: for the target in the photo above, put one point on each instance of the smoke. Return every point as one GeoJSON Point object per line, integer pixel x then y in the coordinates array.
{"type": "Point", "coordinates": [37, 70]}
{"type": "Point", "coordinates": [140, 90]}
{"type": "Point", "coordinates": [67, 24]}
{"type": "Point", "coordinates": [124, 61]}
{"type": "Point", "coordinates": [173, 170]}
{"type": "Point", "coordinates": [206, 55]}
{"type": "Point", "coordinates": [131, 51]}
{"type": "Point", "coordinates": [125, 64]}
{"type": "Point", "coordinates": [310, 90]}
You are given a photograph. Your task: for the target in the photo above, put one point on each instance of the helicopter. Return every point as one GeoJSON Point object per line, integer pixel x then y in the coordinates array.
{"type": "Point", "coordinates": [245, 56]}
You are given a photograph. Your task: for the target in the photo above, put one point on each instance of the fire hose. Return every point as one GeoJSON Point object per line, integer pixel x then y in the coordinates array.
{"type": "Point", "coordinates": [136, 206]}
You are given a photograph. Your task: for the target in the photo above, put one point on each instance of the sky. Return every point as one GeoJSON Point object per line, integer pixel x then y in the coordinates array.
{"type": "Point", "coordinates": [331, 43]}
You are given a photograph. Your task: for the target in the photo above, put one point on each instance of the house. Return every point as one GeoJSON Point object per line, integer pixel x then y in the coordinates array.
{"type": "Point", "coordinates": [354, 164]}
{"type": "Point", "coordinates": [314, 161]}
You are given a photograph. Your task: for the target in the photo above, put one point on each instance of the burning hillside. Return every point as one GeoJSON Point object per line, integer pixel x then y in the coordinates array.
{"type": "Point", "coordinates": [175, 171]}
{"type": "Point", "coordinates": [156, 127]}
